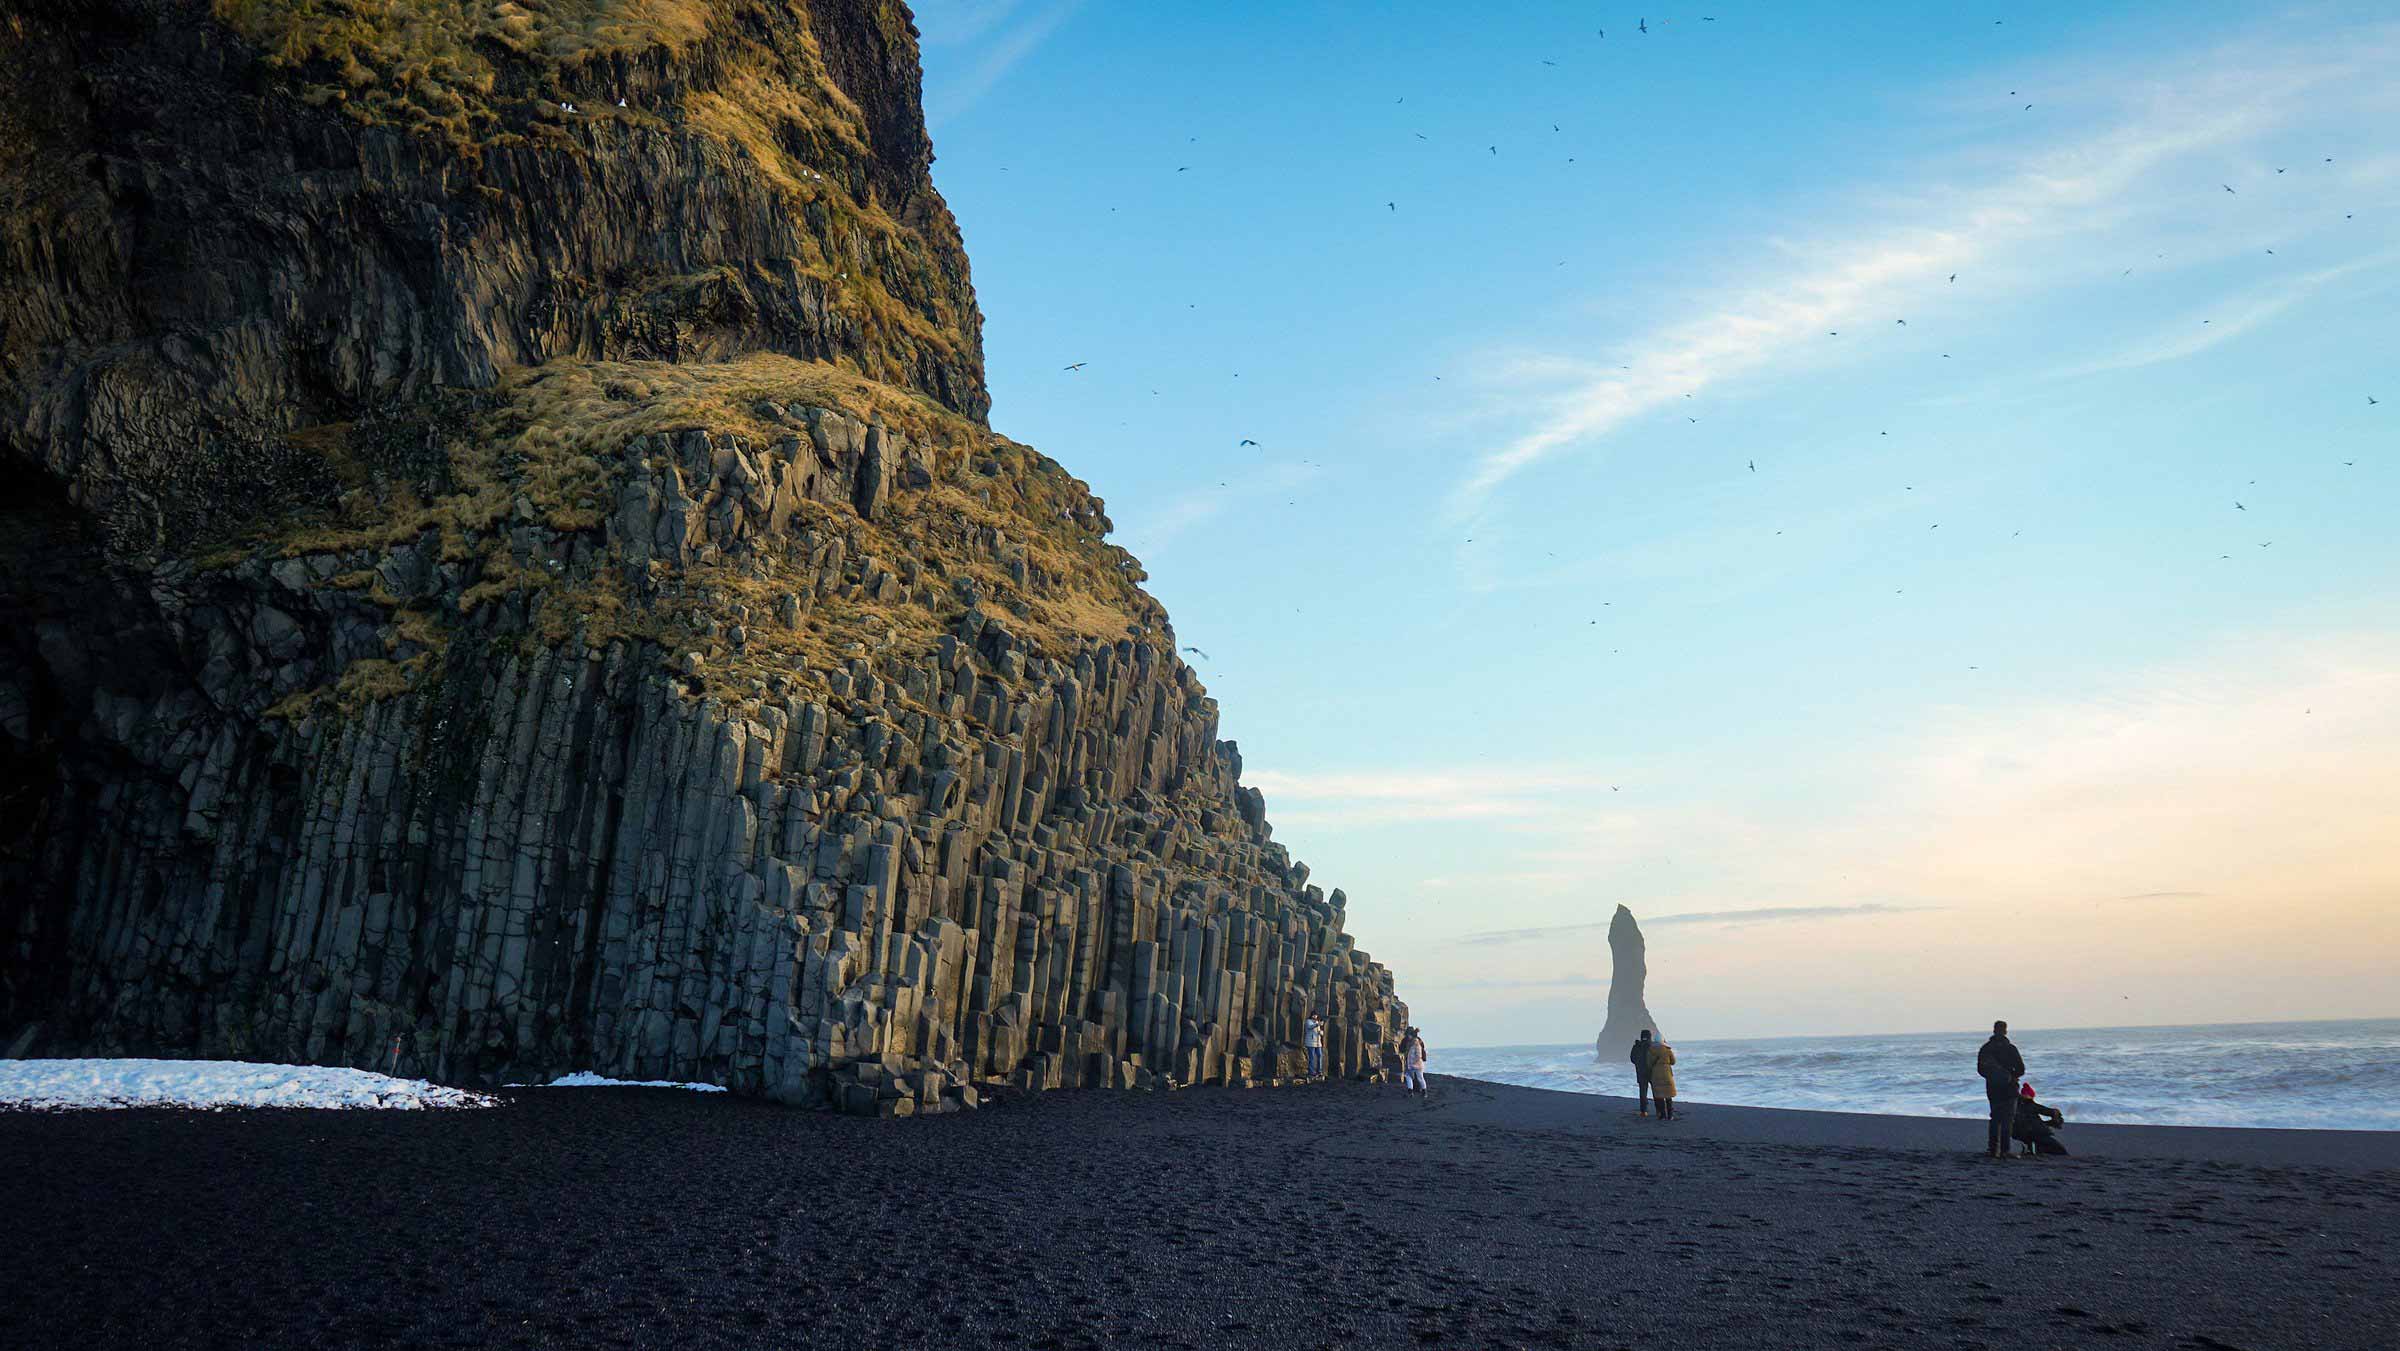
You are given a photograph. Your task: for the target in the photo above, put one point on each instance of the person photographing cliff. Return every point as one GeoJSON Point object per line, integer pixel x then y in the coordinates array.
{"type": "Point", "coordinates": [2001, 1068]}
{"type": "Point", "coordinates": [1312, 1040]}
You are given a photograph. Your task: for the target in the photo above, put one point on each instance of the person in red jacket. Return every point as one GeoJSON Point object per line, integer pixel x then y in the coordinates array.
{"type": "Point", "coordinates": [2037, 1123]}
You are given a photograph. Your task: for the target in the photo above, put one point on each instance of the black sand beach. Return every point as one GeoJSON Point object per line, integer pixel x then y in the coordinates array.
{"type": "Point", "coordinates": [1338, 1216]}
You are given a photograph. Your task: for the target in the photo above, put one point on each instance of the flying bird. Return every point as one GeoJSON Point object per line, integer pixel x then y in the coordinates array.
{"type": "Point", "coordinates": [2229, 188]}
{"type": "Point", "coordinates": [2372, 401]}
{"type": "Point", "coordinates": [1248, 442]}
{"type": "Point", "coordinates": [1197, 653]}
{"type": "Point", "coordinates": [1644, 25]}
{"type": "Point", "coordinates": [2239, 507]}
{"type": "Point", "coordinates": [1078, 366]}
{"type": "Point", "coordinates": [1754, 466]}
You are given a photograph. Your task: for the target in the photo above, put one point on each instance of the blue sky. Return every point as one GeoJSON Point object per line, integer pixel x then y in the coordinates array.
{"type": "Point", "coordinates": [1979, 691]}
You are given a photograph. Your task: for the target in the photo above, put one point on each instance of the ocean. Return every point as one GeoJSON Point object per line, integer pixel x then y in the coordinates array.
{"type": "Point", "coordinates": [2329, 1075]}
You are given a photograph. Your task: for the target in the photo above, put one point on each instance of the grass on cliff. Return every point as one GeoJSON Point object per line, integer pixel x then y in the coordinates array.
{"type": "Point", "coordinates": [549, 449]}
{"type": "Point", "coordinates": [432, 61]}
{"type": "Point", "coordinates": [543, 436]}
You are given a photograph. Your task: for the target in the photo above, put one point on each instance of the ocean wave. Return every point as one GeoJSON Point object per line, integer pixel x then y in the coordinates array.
{"type": "Point", "coordinates": [2316, 1075]}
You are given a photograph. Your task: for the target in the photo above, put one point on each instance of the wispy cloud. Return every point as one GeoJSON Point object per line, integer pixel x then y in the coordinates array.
{"type": "Point", "coordinates": [2164, 896]}
{"type": "Point", "coordinates": [1761, 915]}
{"type": "Point", "coordinates": [1375, 797]}
{"type": "Point", "coordinates": [1178, 515]}
{"type": "Point", "coordinates": [1510, 983]}
{"type": "Point", "coordinates": [1001, 32]}
{"type": "Point", "coordinates": [2228, 318]}
{"type": "Point", "coordinates": [2020, 214]}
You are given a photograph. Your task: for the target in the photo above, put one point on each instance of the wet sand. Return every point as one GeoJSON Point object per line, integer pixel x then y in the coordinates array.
{"type": "Point", "coordinates": [1333, 1216]}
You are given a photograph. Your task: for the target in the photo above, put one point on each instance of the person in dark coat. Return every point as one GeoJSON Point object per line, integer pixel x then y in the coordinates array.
{"type": "Point", "coordinates": [2001, 1067]}
{"type": "Point", "coordinates": [2037, 1123]}
{"type": "Point", "coordinates": [1641, 1073]}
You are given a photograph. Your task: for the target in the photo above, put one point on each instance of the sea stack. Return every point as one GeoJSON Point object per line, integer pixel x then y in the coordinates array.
{"type": "Point", "coordinates": [504, 570]}
{"type": "Point", "coordinates": [1628, 969]}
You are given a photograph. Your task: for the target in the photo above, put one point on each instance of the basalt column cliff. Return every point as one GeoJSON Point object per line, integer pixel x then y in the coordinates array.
{"type": "Point", "coordinates": [505, 569]}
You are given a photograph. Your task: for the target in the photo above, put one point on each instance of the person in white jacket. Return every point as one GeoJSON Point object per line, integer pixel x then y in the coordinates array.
{"type": "Point", "coordinates": [1312, 1040]}
{"type": "Point", "coordinates": [1412, 1061]}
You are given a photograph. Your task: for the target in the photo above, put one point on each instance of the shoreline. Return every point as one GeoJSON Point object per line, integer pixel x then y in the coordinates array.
{"type": "Point", "coordinates": [2329, 1075]}
{"type": "Point", "coordinates": [2260, 1146]}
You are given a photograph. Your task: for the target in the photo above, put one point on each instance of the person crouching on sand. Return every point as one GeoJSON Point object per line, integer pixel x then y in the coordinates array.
{"type": "Point", "coordinates": [2037, 1123]}
{"type": "Point", "coordinates": [1662, 1078]}
{"type": "Point", "coordinates": [1412, 1061]}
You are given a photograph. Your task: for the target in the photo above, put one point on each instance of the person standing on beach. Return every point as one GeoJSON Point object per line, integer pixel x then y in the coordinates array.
{"type": "Point", "coordinates": [1662, 1078]}
{"type": "Point", "coordinates": [2001, 1067]}
{"type": "Point", "coordinates": [1641, 1074]}
{"type": "Point", "coordinates": [1312, 1040]}
{"type": "Point", "coordinates": [1412, 1061]}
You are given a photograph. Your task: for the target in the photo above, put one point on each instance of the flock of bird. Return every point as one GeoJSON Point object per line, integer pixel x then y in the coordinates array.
{"type": "Point", "coordinates": [1642, 26]}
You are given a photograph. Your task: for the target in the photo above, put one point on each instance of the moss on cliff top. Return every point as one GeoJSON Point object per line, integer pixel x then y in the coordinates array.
{"type": "Point", "coordinates": [440, 61]}
{"type": "Point", "coordinates": [999, 525]}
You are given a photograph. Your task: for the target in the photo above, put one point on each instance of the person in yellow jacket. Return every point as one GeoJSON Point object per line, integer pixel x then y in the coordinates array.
{"type": "Point", "coordinates": [1662, 1078]}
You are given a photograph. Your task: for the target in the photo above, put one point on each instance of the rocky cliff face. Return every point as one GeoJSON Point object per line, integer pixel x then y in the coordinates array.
{"type": "Point", "coordinates": [511, 589]}
{"type": "Point", "coordinates": [230, 220]}
{"type": "Point", "coordinates": [1629, 970]}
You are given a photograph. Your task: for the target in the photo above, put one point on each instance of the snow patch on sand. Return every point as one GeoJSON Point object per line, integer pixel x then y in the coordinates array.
{"type": "Point", "coordinates": [587, 1079]}
{"type": "Point", "coordinates": [60, 1085]}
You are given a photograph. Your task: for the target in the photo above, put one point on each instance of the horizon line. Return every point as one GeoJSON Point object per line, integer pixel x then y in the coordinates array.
{"type": "Point", "coordinates": [2013, 1029]}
